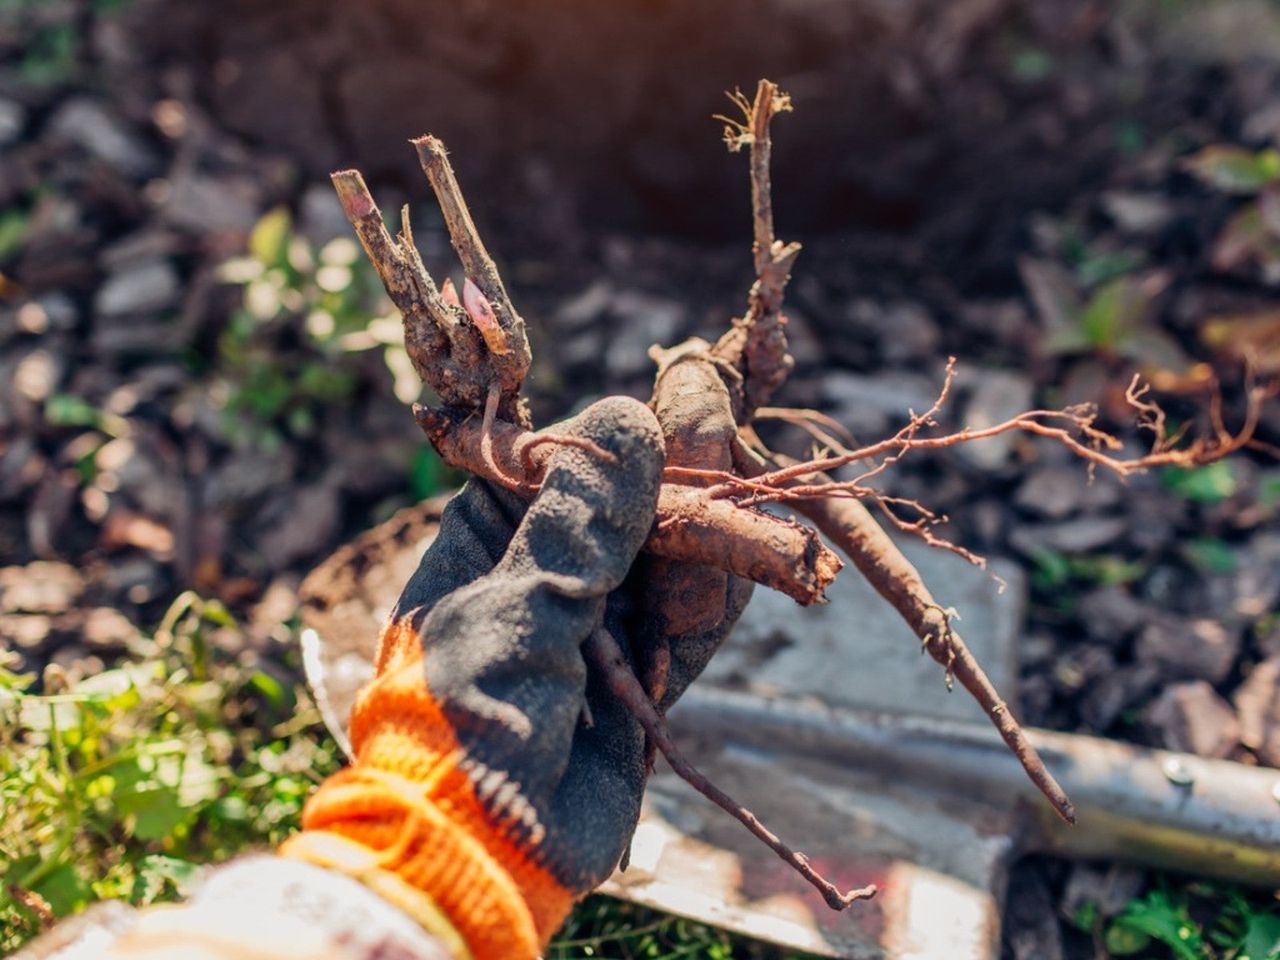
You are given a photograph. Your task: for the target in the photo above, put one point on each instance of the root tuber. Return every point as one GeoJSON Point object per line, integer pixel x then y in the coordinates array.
{"type": "Point", "coordinates": [473, 351]}
{"type": "Point", "coordinates": [690, 527]}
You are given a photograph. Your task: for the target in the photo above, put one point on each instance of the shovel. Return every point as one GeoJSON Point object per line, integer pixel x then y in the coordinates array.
{"type": "Point", "coordinates": [874, 771]}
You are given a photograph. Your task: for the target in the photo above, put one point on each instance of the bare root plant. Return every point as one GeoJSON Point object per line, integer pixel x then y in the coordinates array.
{"type": "Point", "coordinates": [473, 352]}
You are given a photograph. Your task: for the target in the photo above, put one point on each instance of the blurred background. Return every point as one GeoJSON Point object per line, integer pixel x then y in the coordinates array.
{"type": "Point", "coordinates": [202, 392]}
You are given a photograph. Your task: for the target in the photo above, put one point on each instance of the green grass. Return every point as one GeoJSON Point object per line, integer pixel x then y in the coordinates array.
{"type": "Point", "coordinates": [608, 929]}
{"type": "Point", "coordinates": [1196, 921]}
{"type": "Point", "coordinates": [118, 786]}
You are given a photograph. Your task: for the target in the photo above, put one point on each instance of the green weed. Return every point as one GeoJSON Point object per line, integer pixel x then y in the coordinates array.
{"type": "Point", "coordinates": [122, 785]}
{"type": "Point", "coordinates": [1055, 570]}
{"type": "Point", "coordinates": [1251, 237]}
{"type": "Point", "coordinates": [1236, 928]}
{"type": "Point", "coordinates": [287, 352]}
{"type": "Point", "coordinates": [14, 227]}
{"type": "Point", "coordinates": [1103, 306]}
{"type": "Point", "coordinates": [119, 785]}
{"type": "Point", "coordinates": [50, 56]}
{"type": "Point", "coordinates": [1210, 555]}
{"type": "Point", "coordinates": [602, 927]}
{"type": "Point", "coordinates": [1211, 483]}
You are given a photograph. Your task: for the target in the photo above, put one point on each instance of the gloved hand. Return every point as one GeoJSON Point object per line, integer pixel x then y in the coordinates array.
{"type": "Point", "coordinates": [493, 771]}
{"type": "Point", "coordinates": [495, 778]}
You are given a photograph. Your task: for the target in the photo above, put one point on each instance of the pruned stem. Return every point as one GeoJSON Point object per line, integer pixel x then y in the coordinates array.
{"type": "Point", "coordinates": [602, 650]}
{"type": "Point", "coordinates": [513, 364]}
{"type": "Point", "coordinates": [448, 351]}
{"type": "Point", "coordinates": [756, 344]}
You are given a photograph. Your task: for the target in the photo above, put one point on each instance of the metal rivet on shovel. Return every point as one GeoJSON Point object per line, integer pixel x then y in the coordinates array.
{"type": "Point", "coordinates": [1177, 772]}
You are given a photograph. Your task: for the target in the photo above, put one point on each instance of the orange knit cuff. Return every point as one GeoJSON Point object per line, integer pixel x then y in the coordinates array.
{"type": "Point", "coordinates": [407, 800]}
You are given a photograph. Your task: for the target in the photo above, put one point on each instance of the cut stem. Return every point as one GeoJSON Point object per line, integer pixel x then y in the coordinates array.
{"type": "Point", "coordinates": [513, 365]}
{"type": "Point", "coordinates": [756, 345]}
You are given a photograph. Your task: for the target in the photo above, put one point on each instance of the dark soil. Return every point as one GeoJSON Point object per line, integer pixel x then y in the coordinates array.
{"type": "Point", "coordinates": [939, 155]}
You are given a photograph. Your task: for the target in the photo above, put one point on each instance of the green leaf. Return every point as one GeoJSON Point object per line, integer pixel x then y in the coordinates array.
{"type": "Point", "coordinates": [162, 790]}
{"type": "Point", "coordinates": [1262, 939]}
{"type": "Point", "coordinates": [1246, 239]}
{"type": "Point", "coordinates": [426, 476]}
{"type": "Point", "coordinates": [157, 874]}
{"type": "Point", "coordinates": [1103, 267]}
{"type": "Point", "coordinates": [1105, 569]}
{"type": "Point", "coordinates": [1234, 169]}
{"type": "Point", "coordinates": [1158, 916]}
{"type": "Point", "coordinates": [215, 612]}
{"type": "Point", "coordinates": [64, 410]}
{"type": "Point", "coordinates": [1053, 569]}
{"type": "Point", "coordinates": [64, 889]}
{"type": "Point", "coordinates": [269, 240]}
{"type": "Point", "coordinates": [14, 227]}
{"type": "Point", "coordinates": [1269, 491]}
{"type": "Point", "coordinates": [271, 689]}
{"type": "Point", "coordinates": [1086, 916]}
{"type": "Point", "coordinates": [155, 808]}
{"type": "Point", "coordinates": [1124, 941]}
{"type": "Point", "coordinates": [50, 55]}
{"type": "Point", "coordinates": [1030, 65]}
{"type": "Point", "coordinates": [1114, 309]}
{"type": "Point", "coordinates": [326, 383]}
{"type": "Point", "coordinates": [1212, 483]}
{"type": "Point", "coordinates": [1210, 556]}
{"type": "Point", "coordinates": [231, 809]}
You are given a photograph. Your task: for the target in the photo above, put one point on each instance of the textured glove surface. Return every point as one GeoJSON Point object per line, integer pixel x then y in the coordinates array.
{"type": "Point", "coordinates": [478, 777]}
{"type": "Point", "coordinates": [503, 600]}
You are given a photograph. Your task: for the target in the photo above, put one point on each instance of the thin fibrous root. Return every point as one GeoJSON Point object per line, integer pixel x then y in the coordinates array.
{"type": "Point", "coordinates": [1074, 428]}
{"type": "Point", "coordinates": [602, 650]}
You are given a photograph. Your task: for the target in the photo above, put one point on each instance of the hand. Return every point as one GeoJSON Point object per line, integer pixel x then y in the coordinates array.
{"type": "Point", "coordinates": [494, 772]}
{"type": "Point", "coordinates": [496, 778]}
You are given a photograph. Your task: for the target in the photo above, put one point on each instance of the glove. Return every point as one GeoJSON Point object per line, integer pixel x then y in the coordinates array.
{"type": "Point", "coordinates": [495, 779]}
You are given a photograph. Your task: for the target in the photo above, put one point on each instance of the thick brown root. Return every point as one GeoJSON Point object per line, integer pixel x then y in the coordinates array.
{"type": "Point", "coordinates": [851, 527]}
{"type": "Point", "coordinates": [691, 527]}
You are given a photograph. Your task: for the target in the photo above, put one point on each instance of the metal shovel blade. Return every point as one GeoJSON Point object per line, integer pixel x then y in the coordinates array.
{"type": "Point", "coordinates": [828, 724]}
